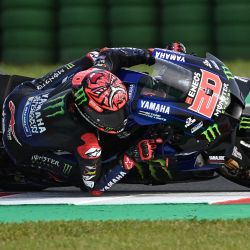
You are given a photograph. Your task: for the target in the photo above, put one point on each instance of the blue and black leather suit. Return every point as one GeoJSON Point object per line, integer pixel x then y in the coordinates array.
{"type": "Point", "coordinates": [41, 125]}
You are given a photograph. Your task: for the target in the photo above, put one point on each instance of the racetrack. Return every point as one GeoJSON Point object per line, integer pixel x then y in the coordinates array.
{"type": "Point", "coordinates": [200, 200]}
{"type": "Point", "coordinates": [124, 201]}
{"type": "Point", "coordinates": [215, 190]}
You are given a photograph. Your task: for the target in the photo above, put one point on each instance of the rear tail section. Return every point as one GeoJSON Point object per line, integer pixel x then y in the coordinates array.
{"type": "Point", "coordinates": [8, 83]}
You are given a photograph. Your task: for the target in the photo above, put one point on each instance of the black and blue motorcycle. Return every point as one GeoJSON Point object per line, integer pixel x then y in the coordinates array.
{"type": "Point", "coordinates": [196, 105]}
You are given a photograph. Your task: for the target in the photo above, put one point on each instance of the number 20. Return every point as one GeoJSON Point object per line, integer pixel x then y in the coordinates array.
{"type": "Point", "coordinates": [203, 103]}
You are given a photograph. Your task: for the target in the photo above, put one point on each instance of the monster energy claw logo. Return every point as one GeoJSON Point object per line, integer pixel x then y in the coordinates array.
{"type": "Point", "coordinates": [69, 66]}
{"type": "Point", "coordinates": [152, 168]}
{"type": "Point", "coordinates": [67, 168]}
{"type": "Point", "coordinates": [245, 122]}
{"type": "Point", "coordinates": [227, 73]}
{"type": "Point", "coordinates": [211, 132]}
{"type": "Point", "coordinates": [56, 107]}
{"type": "Point", "coordinates": [80, 96]}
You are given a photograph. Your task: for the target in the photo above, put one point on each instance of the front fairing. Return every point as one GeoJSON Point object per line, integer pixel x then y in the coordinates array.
{"type": "Point", "coordinates": [194, 63]}
{"type": "Point", "coordinates": [205, 87]}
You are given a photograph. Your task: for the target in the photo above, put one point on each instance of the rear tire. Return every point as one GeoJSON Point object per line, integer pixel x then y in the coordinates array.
{"type": "Point", "coordinates": [240, 172]}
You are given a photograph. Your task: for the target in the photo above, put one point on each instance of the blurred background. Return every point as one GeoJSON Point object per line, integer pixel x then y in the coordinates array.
{"type": "Point", "coordinates": [57, 31]}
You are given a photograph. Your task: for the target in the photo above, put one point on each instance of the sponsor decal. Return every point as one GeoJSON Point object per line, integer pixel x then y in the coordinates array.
{"type": "Point", "coordinates": [31, 118]}
{"type": "Point", "coordinates": [88, 175]}
{"type": "Point", "coordinates": [44, 160]}
{"type": "Point", "coordinates": [89, 171]}
{"type": "Point", "coordinates": [207, 63]}
{"type": "Point", "coordinates": [204, 97]}
{"type": "Point", "coordinates": [215, 159]}
{"type": "Point", "coordinates": [152, 115]}
{"type": "Point", "coordinates": [69, 66]}
{"type": "Point", "coordinates": [48, 162]}
{"type": "Point", "coordinates": [117, 178]}
{"type": "Point", "coordinates": [131, 91]}
{"type": "Point", "coordinates": [245, 122]}
{"type": "Point", "coordinates": [67, 168]}
{"type": "Point", "coordinates": [50, 78]}
{"type": "Point", "coordinates": [3, 121]}
{"type": "Point", "coordinates": [189, 122]}
{"type": "Point", "coordinates": [93, 153]}
{"type": "Point", "coordinates": [236, 153]}
{"type": "Point", "coordinates": [53, 76]}
{"type": "Point", "coordinates": [154, 106]}
{"type": "Point", "coordinates": [164, 164]}
{"type": "Point", "coordinates": [215, 64]}
{"type": "Point", "coordinates": [211, 132]}
{"type": "Point", "coordinates": [87, 183]}
{"type": "Point", "coordinates": [224, 100]}
{"type": "Point", "coordinates": [56, 106]}
{"type": "Point", "coordinates": [93, 55]}
{"type": "Point", "coordinates": [227, 73]}
{"type": "Point", "coordinates": [128, 163]}
{"type": "Point", "coordinates": [242, 79]}
{"type": "Point", "coordinates": [245, 144]}
{"type": "Point", "coordinates": [194, 87]}
{"type": "Point", "coordinates": [169, 56]}
{"type": "Point", "coordinates": [196, 127]}
{"type": "Point", "coordinates": [11, 130]}
{"type": "Point", "coordinates": [124, 134]}
{"type": "Point", "coordinates": [152, 166]}
{"type": "Point", "coordinates": [101, 61]}
{"type": "Point", "coordinates": [157, 109]}
{"type": "Point", "coordinates": [80, 96]}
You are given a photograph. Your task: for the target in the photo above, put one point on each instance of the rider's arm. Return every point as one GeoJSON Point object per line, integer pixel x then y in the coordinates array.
{"type": "Point", "coordinates": [113, 59]}
{"type": "Point", "coordinates": [56, 77]}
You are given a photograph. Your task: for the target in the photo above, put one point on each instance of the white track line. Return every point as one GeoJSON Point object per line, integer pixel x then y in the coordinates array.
{"type": "Point", "coordinates": [77, 198]}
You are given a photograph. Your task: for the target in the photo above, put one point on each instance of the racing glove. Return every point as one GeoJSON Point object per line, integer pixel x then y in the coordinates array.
{"type": "Point", "coordinates": [176, 46]}
{"type": "Point", "coordinates": [143, 151]}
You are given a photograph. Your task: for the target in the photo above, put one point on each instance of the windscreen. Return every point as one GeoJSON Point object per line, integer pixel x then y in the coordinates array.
{"type": "Point", "coordinates": [175, 79]}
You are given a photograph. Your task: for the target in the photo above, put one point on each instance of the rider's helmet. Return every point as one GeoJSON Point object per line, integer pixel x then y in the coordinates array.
{"type": "Point", "coordinates": [100, 97]}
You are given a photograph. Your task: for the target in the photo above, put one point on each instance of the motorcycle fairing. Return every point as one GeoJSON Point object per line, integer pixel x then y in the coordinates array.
{"type": "Point", "coordinates": [210, 63]}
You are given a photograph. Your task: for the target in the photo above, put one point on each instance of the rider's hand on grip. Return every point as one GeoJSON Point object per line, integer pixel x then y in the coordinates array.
{"type": "Point", "coordinates": [176, 46]}
{"type": "Point", "coordinates": [144, 150]}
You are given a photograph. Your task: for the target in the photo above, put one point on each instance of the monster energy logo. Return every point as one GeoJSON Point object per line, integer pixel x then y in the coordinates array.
{"type": "Point", "coordinates": [108, 129]}
{"type": "Point", "coordinates": [57, 106]}
{"type": "Point", "coordinates": [67, 168]}
{"type": "Point", "coordinates": [227, 73]}
{"type": "Point", "coordinates": [69, 66]}
{"type": "Point", "coordinates": [152, 168]}
{"type": "Point", "coordinates": [245, 122]}
{"type": "Point", "coordinates": [211, 132]}
{"type": "Point", "coordinates": [80, 96]}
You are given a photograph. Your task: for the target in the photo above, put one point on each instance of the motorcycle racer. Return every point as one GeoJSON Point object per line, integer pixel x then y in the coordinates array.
{"type": "Point", "coordinates": [64, 111]}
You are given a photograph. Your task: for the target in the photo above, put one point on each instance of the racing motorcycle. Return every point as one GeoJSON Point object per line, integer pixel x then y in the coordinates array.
{"type": "Point", "coordinates": [196, 105]}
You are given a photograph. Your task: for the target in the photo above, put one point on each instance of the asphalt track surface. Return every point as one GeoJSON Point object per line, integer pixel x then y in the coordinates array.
{"type": "Point", "coordinates": [219, 184]}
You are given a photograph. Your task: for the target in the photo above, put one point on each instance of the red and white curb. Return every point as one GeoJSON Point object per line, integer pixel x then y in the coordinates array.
{"type": "Point", "coordinates": [79, 198]}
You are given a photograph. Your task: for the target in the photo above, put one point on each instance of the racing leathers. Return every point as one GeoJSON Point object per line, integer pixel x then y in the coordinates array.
{"type": "Point", "coordinates": [41, 126]}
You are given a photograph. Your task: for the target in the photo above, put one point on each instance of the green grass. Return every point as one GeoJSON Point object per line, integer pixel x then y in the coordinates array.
{"type": "Point", "coordinates": [240, 68]}
{"type": "Point", "coordinates": [127, 235]}
{"type": "Point", "coordinates": [36, 70]}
